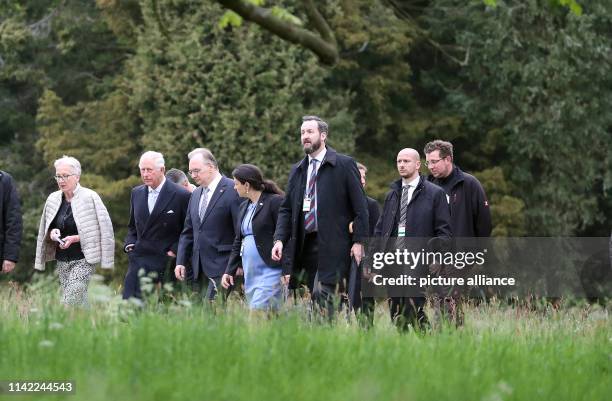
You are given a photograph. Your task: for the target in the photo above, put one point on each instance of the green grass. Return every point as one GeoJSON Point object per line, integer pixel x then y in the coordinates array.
{"type": "Point", "coordinates": [185, 352]}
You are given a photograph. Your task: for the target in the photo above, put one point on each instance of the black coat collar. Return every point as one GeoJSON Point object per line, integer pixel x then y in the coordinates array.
{"type": "Point", "coordinates": [330, 157]}
{"type": "Point", "coordinates": [397, 184]}
{"type": "Point", "coordinates": [456, 177]}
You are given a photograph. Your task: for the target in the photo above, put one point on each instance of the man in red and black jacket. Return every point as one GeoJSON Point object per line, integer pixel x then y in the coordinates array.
{"type": "Point", "coordinates": [470, 213]}
{"type": "Point", "coordinates": [469, 208]}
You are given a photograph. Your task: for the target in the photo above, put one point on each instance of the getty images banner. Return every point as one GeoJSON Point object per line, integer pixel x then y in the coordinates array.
{"type": "Point", "coordinates": [525, 266]}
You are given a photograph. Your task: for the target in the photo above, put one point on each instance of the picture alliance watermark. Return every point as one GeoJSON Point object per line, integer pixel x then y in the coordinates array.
{"type": "Point", "coordinates": [520, 266]}
{"type": "Point", "coordinates": [429, 281]}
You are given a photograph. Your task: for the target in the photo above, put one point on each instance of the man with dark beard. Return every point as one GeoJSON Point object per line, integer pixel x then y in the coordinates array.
{"type": "Point", "coordinates": [323, 196]}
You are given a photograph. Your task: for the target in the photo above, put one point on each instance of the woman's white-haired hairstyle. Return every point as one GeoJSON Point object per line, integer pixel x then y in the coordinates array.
{"type": "Point", "coordinates": [156, 156]}
{"type": "Point", "coordinates": [70, 161]}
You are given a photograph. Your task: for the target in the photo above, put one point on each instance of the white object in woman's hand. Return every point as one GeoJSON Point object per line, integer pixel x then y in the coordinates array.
{"type": "Point", "coordinates": [55, 235]}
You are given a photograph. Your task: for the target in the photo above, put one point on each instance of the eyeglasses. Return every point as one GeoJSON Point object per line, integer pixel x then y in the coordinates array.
{"type": "Point", "coordinates": [434, 162]}
{"type": "Point", "coordinates": [62, 177]}
{"type": "Point", "coordinates": [195, 171]}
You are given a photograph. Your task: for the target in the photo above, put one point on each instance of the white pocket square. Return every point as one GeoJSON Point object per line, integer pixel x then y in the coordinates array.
{"type": "Point", "coordinates": [170, 212]}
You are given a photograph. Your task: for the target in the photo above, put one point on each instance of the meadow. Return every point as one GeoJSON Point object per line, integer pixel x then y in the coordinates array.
{"type": "Point", "coordinates": [182, 350]}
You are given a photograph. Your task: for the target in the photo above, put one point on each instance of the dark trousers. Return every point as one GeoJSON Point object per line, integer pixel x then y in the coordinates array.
{"type": "Point", "coordinates": [307, 264]}
{"type": "Point", "coordinates": [323, 295]}
{"type": "Point", "coordinates": [447, 300]}
{"type": "Point", "coordinates": [366, 312]}
{"type": "Point", "coordinates": [408, 311]}
{"type": "Point", "coordinates": [211, 284]}
{"type": "Point", "coordinates": [152, 266]}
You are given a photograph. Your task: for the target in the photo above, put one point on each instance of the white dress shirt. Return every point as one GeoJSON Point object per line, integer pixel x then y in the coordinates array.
{"type": "Point", "coordinates": [319, 159]}
{"type": "Point", "coordinates": [211, 190]}
{"type": "Point", "coordinates": [413, 184]}
{"type": "Point", "coordinates": [153, 194]}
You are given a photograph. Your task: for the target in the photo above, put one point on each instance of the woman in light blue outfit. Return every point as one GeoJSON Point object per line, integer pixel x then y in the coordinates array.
{"type": "Point", "coordinates": [263, 277]}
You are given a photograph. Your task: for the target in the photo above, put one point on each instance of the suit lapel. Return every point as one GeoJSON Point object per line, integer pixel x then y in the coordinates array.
{"type": "Point", "coordinates": [243, 209]}
{"type": "Point", "coordinates": [219, 191]}
{"type": "Point", "coordinates": [165, 196]}
{"type": "Point", "coordinates": [260, 204]}
{"type": "Point", "coordinates": [195, 203]}
{"type": "Point", "coordinates": [143, 203]}
{"type": "Point", "coordinates": [303, 178]}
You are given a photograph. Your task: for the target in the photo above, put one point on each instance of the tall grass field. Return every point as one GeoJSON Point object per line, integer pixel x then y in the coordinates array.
{"type": "Point", "coordinates": [184, 351]}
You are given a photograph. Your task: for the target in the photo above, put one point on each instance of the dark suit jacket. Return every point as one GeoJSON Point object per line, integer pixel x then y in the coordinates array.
{"type": "Point", "coordinates": [428, 213]}
{"type": "Point", "coordinates": [157, 233]}
{"type": "Point", "coordinates": [340, 200]}
{"type": "Point", "coordinates": [427, 223]}
{"type": "Point", "coordinates": [208, 243]}
{"type": "Point", "coordinates": [374, 215]}
{"type": "Point", "coordinates": [264, 224]}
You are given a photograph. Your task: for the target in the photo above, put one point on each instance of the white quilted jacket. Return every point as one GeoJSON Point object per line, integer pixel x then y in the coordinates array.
{"type": "Point", "coordinates": [93, 225]}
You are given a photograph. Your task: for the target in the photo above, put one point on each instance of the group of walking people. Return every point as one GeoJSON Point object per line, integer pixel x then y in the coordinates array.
{"type": "Point", "coordinates": [222, 227]}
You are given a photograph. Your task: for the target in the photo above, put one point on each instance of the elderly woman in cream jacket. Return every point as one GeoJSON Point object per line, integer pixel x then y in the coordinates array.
{"type": "Point", "coordinates": [75, 229]}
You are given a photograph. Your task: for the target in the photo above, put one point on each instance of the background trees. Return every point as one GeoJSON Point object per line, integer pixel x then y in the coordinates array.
{"type": "Point", "coordinates": [522, 89]}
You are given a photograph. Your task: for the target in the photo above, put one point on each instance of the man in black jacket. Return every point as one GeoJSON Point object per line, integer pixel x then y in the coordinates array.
{"type": "Point", "coordinates": [10, 223]}
{"type": "Point", "coordinates": [366, 304]}
{"type": "Point", "coordinates": [470, 214]}
{"type": "Point", "coordinates": [414, 208]}
{"type": "Point", "coordinates": [323, 196]}
{"type": "Point", "coordinates": [469, 208]}
{"type": "Point", "coordinates": [373, 207]}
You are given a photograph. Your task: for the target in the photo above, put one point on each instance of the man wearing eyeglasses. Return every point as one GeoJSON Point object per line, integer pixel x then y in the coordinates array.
{"type": "Point", "coordinates": [157, 213]}
{"type": "Point", "coordinates": [470, 214]}
{"type": "Point", "coordinates": [209, 234]}
{"type": "Point", "coordinates": [10, 223]}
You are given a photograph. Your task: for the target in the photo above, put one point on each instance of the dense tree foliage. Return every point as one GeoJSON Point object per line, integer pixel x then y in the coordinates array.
{"type": "Point", "coordinates": [535, 95]}
{"type": "Point", "coordinates": [237, 90]}
{"type": "Point", "coordinates": [522, 88]}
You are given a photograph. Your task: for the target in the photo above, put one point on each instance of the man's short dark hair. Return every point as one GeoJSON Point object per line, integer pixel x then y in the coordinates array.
{"type": "Point", "coordinates": [321, 124]}
{"type": "Point", "coordinates": [445, 148]}
{"type": "Point", "coordinates": [176, 176]}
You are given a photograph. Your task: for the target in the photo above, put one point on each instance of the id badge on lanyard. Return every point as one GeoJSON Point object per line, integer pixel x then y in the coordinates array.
{"type": "Point", "coordinates": [307, 204]}
{"type": "Point", "coordinates": [401, 230]}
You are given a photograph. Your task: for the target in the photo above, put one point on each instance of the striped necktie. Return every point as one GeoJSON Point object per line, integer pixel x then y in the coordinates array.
{"type": "Point", "coordinates": [203, 203]}
{"type": "Point", "coordinates": [310, 217]}
{"type": "Point", "coordinates": [404, 204]}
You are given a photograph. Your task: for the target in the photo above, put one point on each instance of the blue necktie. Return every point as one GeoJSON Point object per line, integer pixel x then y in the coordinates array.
{"type": "Point", "coordinates": [152, 199]}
